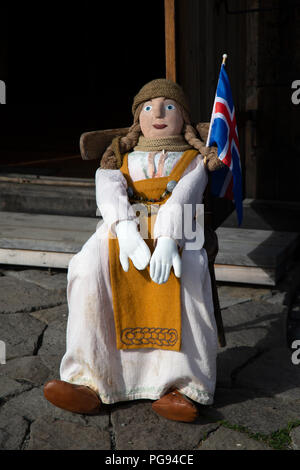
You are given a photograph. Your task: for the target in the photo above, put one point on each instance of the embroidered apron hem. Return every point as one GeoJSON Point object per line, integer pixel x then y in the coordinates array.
{"type": "Point", "coordinates": [203, 398]}
{"type": "Point", "coordinates": [82, 381]}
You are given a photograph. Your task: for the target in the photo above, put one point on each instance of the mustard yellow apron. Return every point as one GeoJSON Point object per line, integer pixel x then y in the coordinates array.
{"type": "Point", "coordinates": [146, 314]}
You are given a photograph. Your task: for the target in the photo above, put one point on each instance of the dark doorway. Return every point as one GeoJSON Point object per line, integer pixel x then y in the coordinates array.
{"type": "Point", "coordinates": [70, 71]}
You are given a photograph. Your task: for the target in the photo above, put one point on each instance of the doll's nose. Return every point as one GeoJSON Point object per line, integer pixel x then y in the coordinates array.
{"type": "Point", "coordinates": [158, 110]}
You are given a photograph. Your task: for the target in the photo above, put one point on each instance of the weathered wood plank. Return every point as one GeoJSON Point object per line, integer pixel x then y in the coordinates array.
{"type": "Point", "coordinates": [260, 248]}
{"type": "Point", "coordinates": [268, 215]}
{"type": "Point", "coordinates": [46, 180]}
{"type": "Point", "coordinates": [38, 244]}
{"type": "Point", "coordinates": [45, 233]}
{"type": "Point", "coordinates": [245, 274]}
{"type": "Point", "coordinates": [241, 259]}
{"type": "Point", "coordinates": [255, 236]}
{"type": "Point", "coordinates": [48, 195]}
{"type": "Point", "coordinates": [22, 220]}
{"type": "Point", "coordinates": [35, 258]}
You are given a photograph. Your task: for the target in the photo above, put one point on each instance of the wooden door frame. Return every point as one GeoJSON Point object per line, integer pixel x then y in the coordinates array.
{"type": "Point", "coordinates": [170, 40]}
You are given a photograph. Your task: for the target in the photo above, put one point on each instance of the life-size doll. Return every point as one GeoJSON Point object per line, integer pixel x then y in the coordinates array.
{"type": "Point", "coordinates": [141, 318]}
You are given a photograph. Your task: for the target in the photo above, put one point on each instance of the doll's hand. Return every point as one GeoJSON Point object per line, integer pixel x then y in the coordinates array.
{"type": "Point", "coordinates": [164, 257]}
{"type": "Point", "coordinates": [132, 245]}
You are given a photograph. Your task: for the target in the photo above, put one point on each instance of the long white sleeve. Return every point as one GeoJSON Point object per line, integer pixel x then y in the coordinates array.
{"type": "Point", "coordinates": [189, 190]}
{"type": "Point", "coordinates": [112, 199]}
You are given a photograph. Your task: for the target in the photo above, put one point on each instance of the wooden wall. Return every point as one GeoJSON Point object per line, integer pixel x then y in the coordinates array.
{"type": "Point", "coordinates": [262, 40]}
{"type": "Point", "coordinates": [204, 32]}
{"type": "Point", "coordinates": [278, 119]}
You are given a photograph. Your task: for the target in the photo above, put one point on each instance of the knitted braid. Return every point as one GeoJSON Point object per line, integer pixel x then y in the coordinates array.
{"type": "Point", "coordinates": [112, 157]}
{"type": "Point", "coordinates": [130, 140]}
{"type": "Point", "coordinates": [210, 154]}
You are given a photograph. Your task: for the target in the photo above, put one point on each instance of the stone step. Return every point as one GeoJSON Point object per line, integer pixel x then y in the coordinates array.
{"type": "Point", "coordinates": [40, 194]}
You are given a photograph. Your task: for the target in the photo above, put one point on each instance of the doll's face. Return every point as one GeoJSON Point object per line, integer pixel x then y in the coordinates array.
{"type": "Point", "coordinates": [160, 117]}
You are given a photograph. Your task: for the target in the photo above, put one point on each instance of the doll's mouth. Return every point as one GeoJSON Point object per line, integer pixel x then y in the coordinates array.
{"type": "Point", "coordinates": [160, 126]}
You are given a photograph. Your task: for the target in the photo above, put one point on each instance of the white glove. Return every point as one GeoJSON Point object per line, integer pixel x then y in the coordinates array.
{"type": "Point", "coordinates": [132, 245]}
{"type": "Point", "coordinates": [164, 257]}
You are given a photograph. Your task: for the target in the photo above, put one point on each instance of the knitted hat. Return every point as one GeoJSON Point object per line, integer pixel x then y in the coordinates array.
{"type": "Point", "coordinates": [157, 88]}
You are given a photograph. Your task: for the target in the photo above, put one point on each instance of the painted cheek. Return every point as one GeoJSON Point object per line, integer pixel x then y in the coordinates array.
{"type": "Point", "coordinates": [175, 121]}
{"type": "Point", "coordinates": [146, 123]}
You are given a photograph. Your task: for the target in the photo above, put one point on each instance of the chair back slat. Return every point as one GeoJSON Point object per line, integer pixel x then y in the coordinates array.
{"type": "Point", "coordinates": [93, 144]}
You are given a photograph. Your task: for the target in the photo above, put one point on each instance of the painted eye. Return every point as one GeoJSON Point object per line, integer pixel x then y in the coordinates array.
{"type": "Point", "coordinates": [148, 108]}
{"type": "Point", "coordinates": [169, 107]}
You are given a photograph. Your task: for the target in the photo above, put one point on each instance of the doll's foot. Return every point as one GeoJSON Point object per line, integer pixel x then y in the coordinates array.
{"type": "Point", "coordinates": [176, 407]}
{"type": "Point", "coordinates": [71, 397]}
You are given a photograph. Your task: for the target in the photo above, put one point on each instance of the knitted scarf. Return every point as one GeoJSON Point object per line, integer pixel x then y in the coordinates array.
{"type": "Point", "coordinates": [174, 143]}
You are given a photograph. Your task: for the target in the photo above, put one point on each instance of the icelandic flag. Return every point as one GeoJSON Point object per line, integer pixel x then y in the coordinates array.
{"type": "Point", "coordinates": [226, 182]}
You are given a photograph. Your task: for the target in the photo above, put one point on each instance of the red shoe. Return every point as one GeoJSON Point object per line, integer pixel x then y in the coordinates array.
{"type": "Point", "coordinates": [71, 397]}
{"type": "Point", "coordinates": [176, 407]}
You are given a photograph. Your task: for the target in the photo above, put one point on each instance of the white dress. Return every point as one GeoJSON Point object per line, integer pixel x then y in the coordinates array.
{"type": "Point", "coordinates": [91, 357]}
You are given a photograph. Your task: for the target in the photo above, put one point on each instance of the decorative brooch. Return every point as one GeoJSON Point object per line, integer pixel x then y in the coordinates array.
{"type": "Point", "coordinates": [135, 197]}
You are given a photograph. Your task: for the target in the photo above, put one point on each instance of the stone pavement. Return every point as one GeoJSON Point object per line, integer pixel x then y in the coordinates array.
{"type": "Point", "coordinates": [257, 400]}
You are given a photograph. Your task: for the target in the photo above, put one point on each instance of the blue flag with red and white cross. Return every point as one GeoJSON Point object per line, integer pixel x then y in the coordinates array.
{"type": "Point", "coordinates": [227, 181]}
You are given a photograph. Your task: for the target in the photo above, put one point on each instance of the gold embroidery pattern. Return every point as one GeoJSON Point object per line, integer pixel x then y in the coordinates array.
{"type": "Point", "coordinates": [155, 336]}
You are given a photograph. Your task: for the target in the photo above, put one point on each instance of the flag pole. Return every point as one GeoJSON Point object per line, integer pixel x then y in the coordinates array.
{"type": "Point", "coordinates": [224, 57]}
{"type": "Point", "coordinates": [216, 303]}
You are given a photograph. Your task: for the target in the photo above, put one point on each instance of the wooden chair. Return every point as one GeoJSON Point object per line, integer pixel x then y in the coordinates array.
{"type": "Point", "coordinates": [93, 144]}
